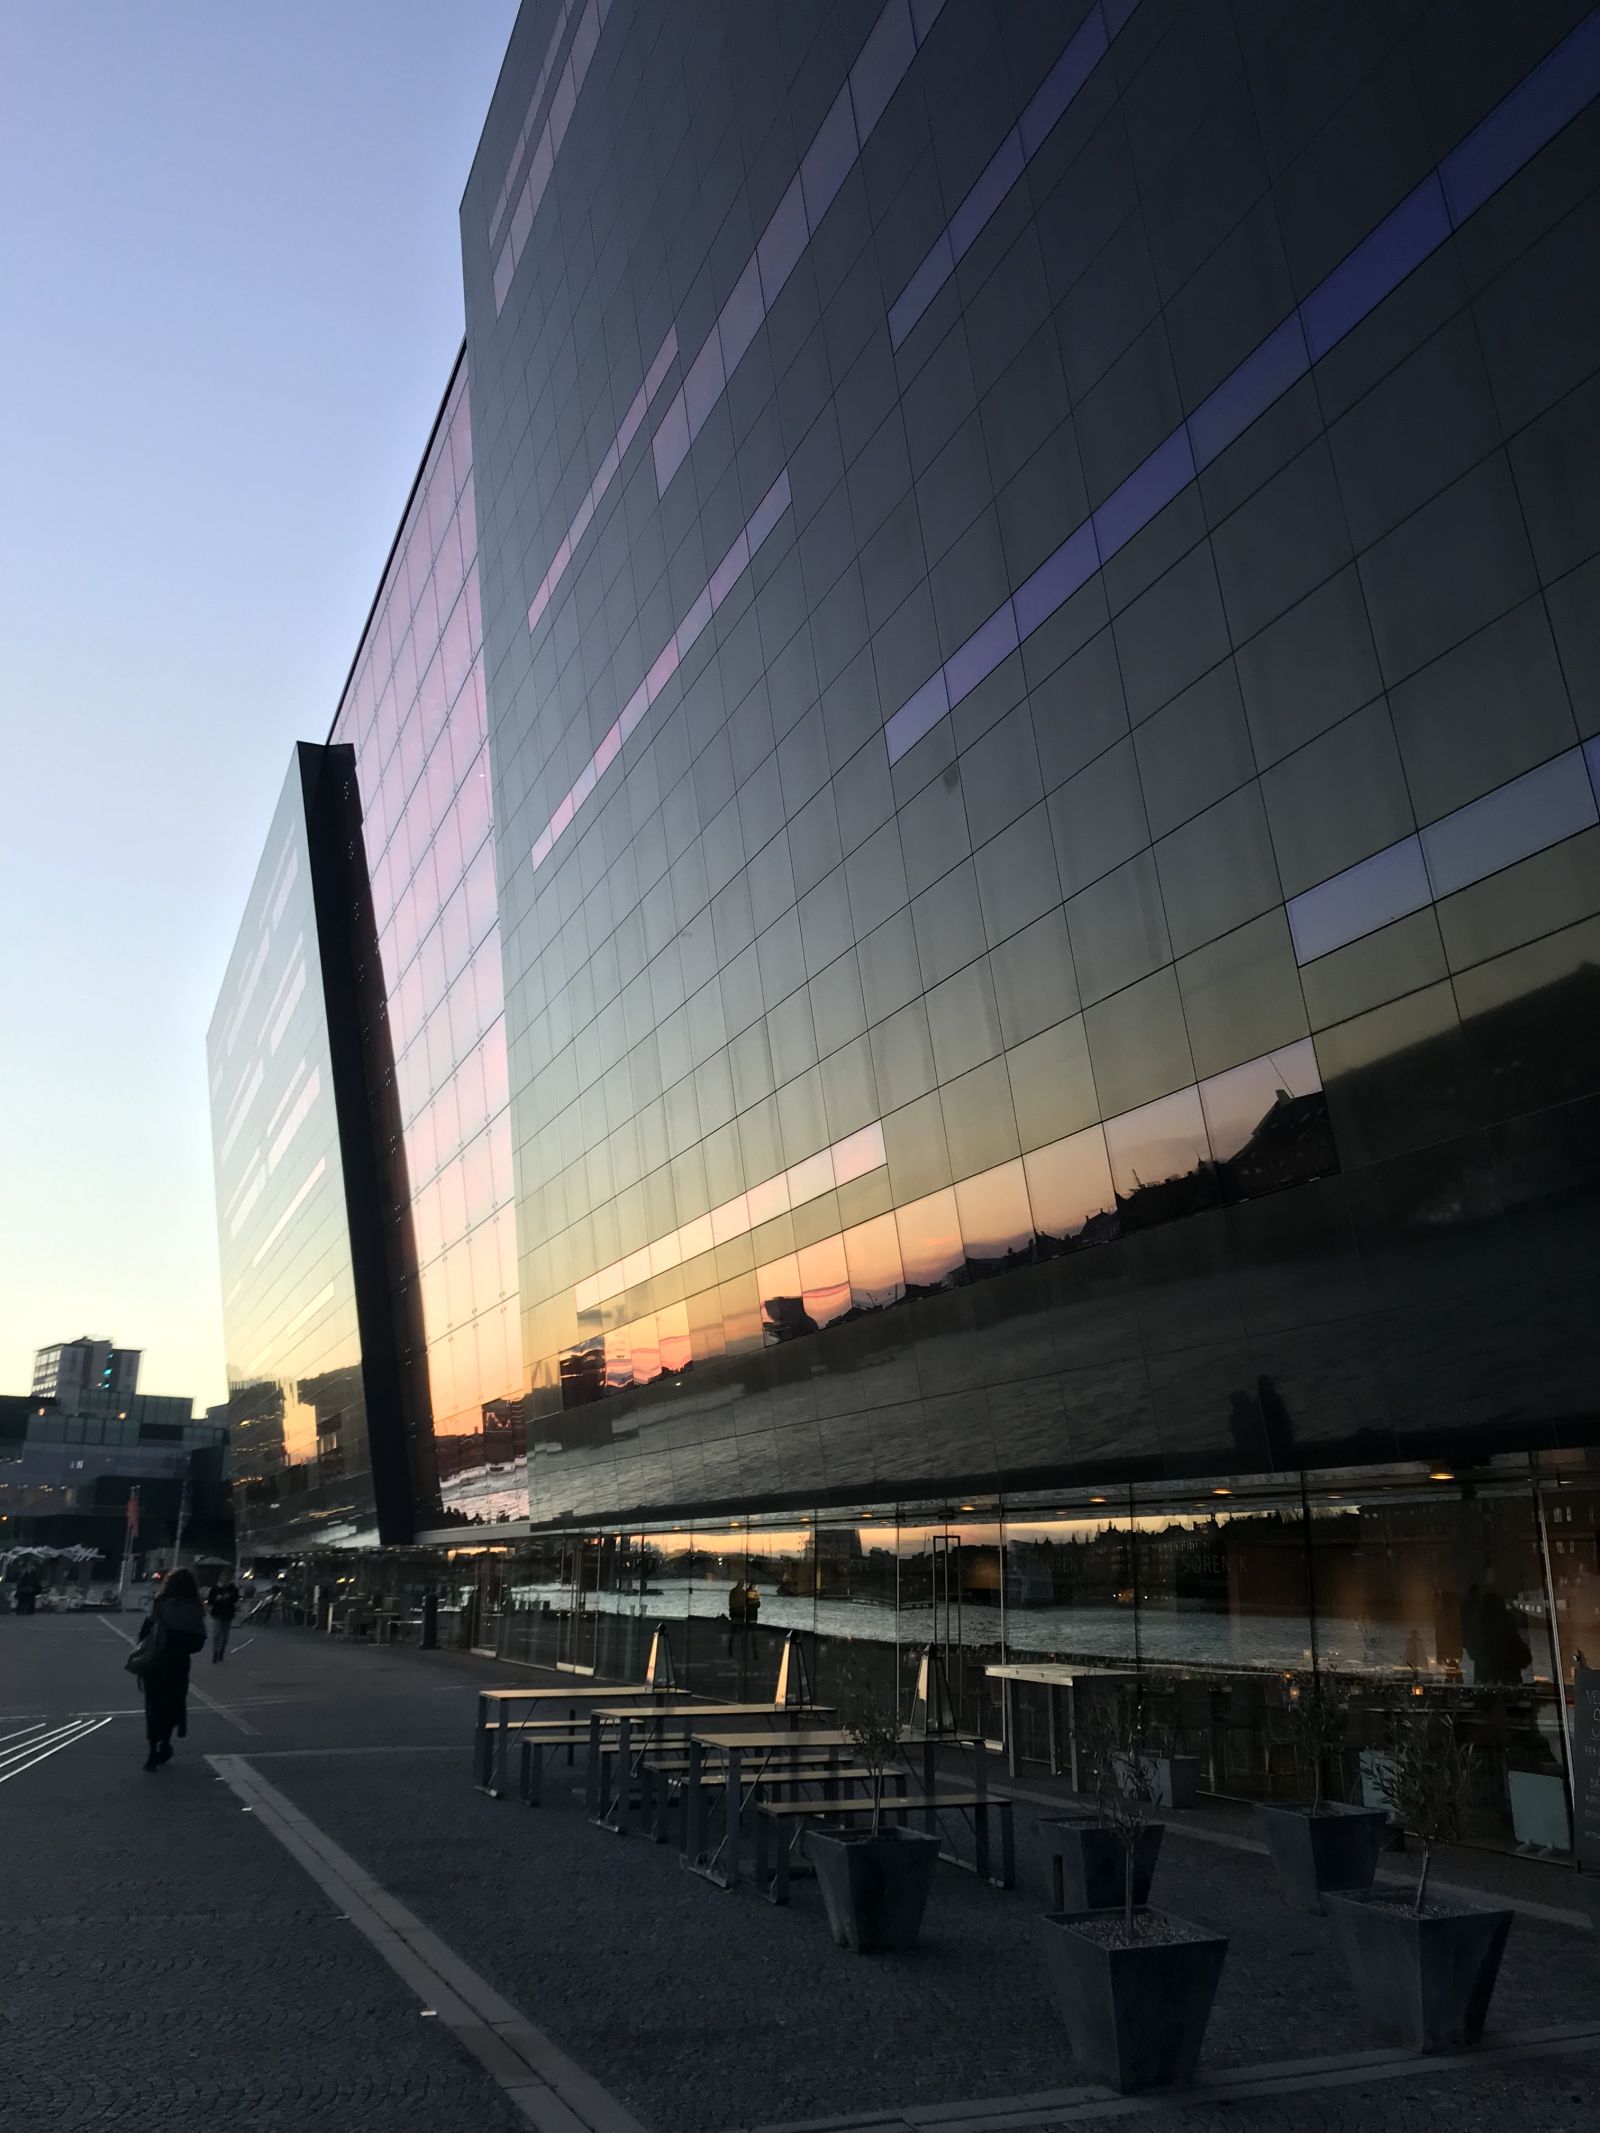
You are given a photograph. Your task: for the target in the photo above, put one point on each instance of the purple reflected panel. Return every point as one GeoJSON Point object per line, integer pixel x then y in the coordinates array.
{"type": "Point", "coordinates": [1004, 169]}
{"type": "Point", "coordinates": [1364, 897]}
{"type": "Point", "coordinates": [924, 14]}
{"type": "Point", "coordinates": [671, 442]}
{"type": "Point", "coordinates": [827, 162]}
{"type": "Point", "coordinates": [768, 512]}
{"type": "Point", "coordinates": [1378, 265]}
{"type": "Point", "coordinates": [665, 356]}
{"type": "Point", "coordinates": [1117, 13]}
{"type": "Point", "coordinates": [918, 716]}
{"type": "Point", "coordinates": [890, 48]}
{"type": "Point", "coordinates": [1265, 374]}
{"type": "Point", "coordinates": [1591, 750]}
{"type": "Point", "coordinates": [741, 316]}
{"type": "Point", "coordinates": [1541, 808]}
{"type": "Point", "coordinates": [702, 388]}
{"type": "Point", "coordinates": [983, 651]}
{"type": "Point", "coordinates": [920, 291]}
{"type": "Point", "coordinates": [782, 242]}
{"type": "Point", "coordinates": [1521, 123]}
{"type": "Point", "coordinates": [1057, 578]}
{"type": "Point", "coordinates": [1150, 487]}
{"type": "Point", "coordinates": [694, 622]}
{"type": "Point", "coordinates": [1063, 82]}
{"type": "Point", "coordinates": [728, 571]}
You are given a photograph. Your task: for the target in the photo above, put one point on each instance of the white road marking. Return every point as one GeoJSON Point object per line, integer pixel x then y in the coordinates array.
{"type": "Point", "coordinates": [241, 1725]}
{"type": "Point", "coordinates": [62, 1731]}
{"type": "Point", "coordinates": [551, 2091]}
{"type": "Point", "coordinates": [37, 1723]}
{"type": "Point", "coordinates": [78, 1733]}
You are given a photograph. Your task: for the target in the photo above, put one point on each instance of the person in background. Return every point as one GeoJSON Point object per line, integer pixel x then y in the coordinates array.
{"type": "Point", "coordinates": [176, 1628]}
{"type": "Point", "coordinates": [222, 1604]}
{"type": "Point", "coordinates": [27, 1590]}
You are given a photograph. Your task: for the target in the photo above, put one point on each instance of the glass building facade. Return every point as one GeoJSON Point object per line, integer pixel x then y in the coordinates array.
{"type": "Point", "coordinates": [413, 713]}
{"type": "Point", "coordinates": [1034, 1023]}
{"type": "Point", "coordinates": [1041, 684]}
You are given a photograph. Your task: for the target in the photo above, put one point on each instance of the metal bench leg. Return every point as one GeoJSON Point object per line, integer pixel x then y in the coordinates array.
{"type": "Point", "coordinates": [780, 1872]}
{"type": "Point", "coordinates": [1008, 1851]}
{"type": "Point", "coordinates": [532, 1773]}
{"type": "Point", "coordinates": [980, 1842]}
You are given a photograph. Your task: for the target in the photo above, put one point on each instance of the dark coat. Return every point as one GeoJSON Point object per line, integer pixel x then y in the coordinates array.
{"type": "Point", "coordinates": [166, 1683]}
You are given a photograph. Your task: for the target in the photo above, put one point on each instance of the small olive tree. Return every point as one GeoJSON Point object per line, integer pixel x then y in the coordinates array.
{"type": "Point", "coordinates": [1313, 1716]}
{"type": "Point", "coordinates": [1114, 1733]}
{"type": "Point", "coordinates": [870, 1720]}
{"type": "Point", "coordinates": [1425, 1781]}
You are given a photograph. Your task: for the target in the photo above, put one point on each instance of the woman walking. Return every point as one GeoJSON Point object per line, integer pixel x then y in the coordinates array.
{"type": "Point", "coordinates": [174, 1628]}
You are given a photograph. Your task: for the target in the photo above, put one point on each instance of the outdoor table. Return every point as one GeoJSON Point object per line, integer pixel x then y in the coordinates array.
{"type": "Point", "coordinates": [1054, 1679]}
{"type": "Point", "coordinates": [658, 1722]}
{"type": "Point", "coordinates": [489, 1760]}
{"type": "Point", "coordinates": [733, 1747]}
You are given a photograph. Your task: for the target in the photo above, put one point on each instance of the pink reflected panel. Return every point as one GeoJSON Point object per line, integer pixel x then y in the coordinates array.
{"type": "Point", "coordinates": [1069, 1184]}
{"type": "Point", "coordinates": [782, 1306]}
{"type": "Point", "coordinates": [872, 1257]}
{"type": "Point", "coordinates": [1236, 1103]}
{"type": "Point", "coordinates": [767, 1201]}
{"type": "Point", "coordinates": [672, 1338]}
{"type": "Point", "coordinates": [1160, 1141]}
{"type": "Point", "coordinates": [810, 1179]}
{"type": "Point", "coordinates": [860, 1153]}
{"type": "Point", "coordinates": [824, 1280]}
{"type": "Point", "coordinates": [996, 1218]}
{"type": "Point", "coordinates": [731, 1219]}
{"type": "Point", "coordinates": [930, 1239]}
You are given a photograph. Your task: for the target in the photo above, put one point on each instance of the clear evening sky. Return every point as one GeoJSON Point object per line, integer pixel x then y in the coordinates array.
{"type": "Point", "coordinates": [230, 295]}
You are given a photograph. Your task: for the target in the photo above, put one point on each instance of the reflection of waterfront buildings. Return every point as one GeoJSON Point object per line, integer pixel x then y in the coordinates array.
{"type": "Point", "coordinates": [974, 877]}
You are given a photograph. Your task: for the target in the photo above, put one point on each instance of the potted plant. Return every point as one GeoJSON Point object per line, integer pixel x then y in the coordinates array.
{"type": "Point", "coordinates": [874, 1881]}
{"type": "Point", "coordinates": [1173, 1779]}
{"type": "Point", "coordinates": [1134, 1984]}
{"type": "Point", "coordinates": [1423, 1969]}
{"type": "Point", "coordinates": [1326, 1845]}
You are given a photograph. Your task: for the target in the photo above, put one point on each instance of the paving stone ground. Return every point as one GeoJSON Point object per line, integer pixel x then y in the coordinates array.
{"type": "Point", "coordinates": [163, 1952]}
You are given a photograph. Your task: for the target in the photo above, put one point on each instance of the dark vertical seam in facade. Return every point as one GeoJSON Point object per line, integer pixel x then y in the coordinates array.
{"type": "Point", "coordinates": [340, 899]}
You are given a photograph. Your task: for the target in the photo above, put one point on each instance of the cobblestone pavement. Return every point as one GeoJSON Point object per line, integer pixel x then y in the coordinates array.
{"type": "Point", "coordinates": [161, 1962]}
{"type": "Point", "coordinates": [163, 1947]}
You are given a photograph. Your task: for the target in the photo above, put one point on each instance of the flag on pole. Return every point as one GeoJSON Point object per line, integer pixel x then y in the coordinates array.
{"type": "Point", "coordinates": [133, 1512]}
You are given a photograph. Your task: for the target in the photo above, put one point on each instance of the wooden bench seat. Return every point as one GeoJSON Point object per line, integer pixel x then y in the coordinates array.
{"type": "Point", "coordinates": [771, 1816]}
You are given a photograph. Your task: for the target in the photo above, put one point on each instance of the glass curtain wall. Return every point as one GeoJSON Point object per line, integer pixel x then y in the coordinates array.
{"type": "Point", "coordinates": [414, 711]}
{"type": "Point", "coordinates": [1396, 1586]}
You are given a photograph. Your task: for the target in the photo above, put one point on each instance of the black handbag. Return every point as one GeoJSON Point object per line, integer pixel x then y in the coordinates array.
{"type": "Point", "coordinates": [150, 1649]}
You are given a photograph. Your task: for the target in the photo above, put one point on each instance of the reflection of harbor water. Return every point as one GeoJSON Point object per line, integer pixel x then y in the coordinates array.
{"type": "Point", "coordinates": [1161, 1637]}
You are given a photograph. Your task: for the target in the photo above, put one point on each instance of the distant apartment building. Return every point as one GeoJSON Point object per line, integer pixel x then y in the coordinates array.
{"type": "Point", "coordinates": [71, 1368]}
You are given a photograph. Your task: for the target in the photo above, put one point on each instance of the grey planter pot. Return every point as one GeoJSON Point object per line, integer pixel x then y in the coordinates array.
{"type": "Point", "coordinates": [1088, 1866]}
{"type": "Point", "coordinates": [1314, 1853]}
{"type": "Point", "coordinates": [1425, 1982]}
{"type": "Point", "coordinates": [1136, 2016]}
{"type": "Point", "coordinates": [874, 1889]}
